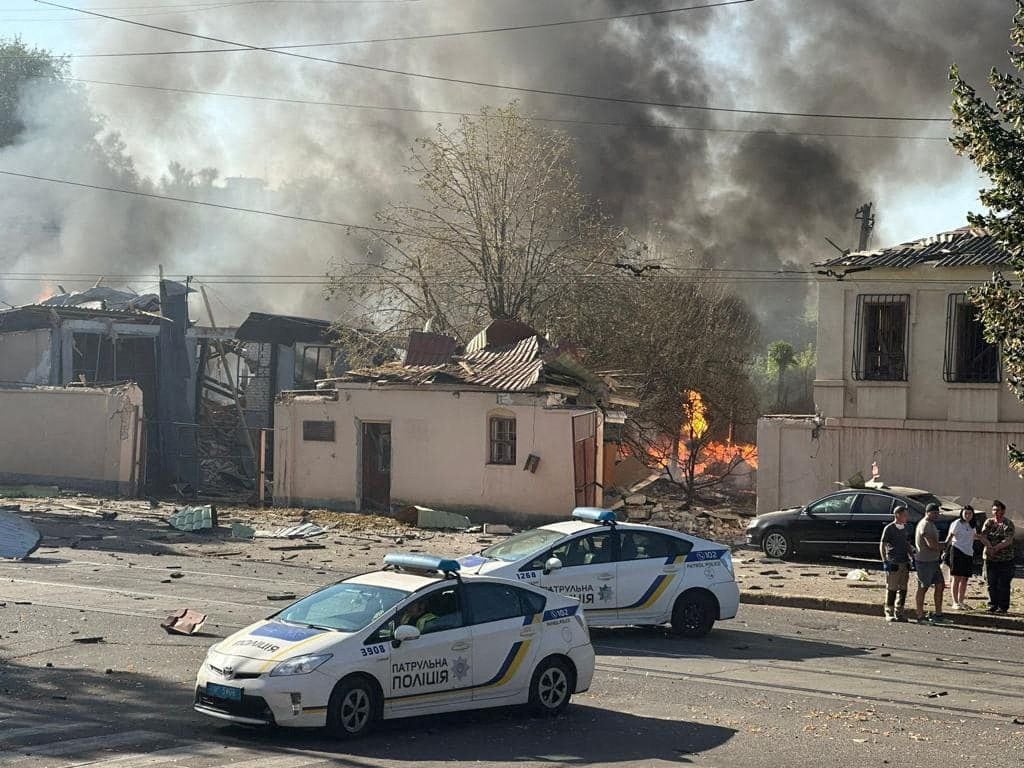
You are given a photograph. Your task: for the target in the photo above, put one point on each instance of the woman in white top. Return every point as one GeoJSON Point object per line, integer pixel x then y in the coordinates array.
{"type": "Point", "coordinates": [961, 555]}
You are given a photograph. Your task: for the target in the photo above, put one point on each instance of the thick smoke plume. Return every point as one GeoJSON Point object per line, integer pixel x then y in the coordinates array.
{"type": "Point", "coordinates": [759, 201]}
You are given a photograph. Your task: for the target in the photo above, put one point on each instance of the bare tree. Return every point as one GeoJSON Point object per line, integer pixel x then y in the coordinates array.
{"type": "Point", "coordinates": [501, 228]}
{"type": "Point", "coordinates": [687, 340]}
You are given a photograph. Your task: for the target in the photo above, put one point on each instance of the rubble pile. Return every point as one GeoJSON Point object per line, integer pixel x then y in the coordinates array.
{"type": "Point", "coordinates": [222, 451]}
{"type": "Point", "coordinates": [722, 523]}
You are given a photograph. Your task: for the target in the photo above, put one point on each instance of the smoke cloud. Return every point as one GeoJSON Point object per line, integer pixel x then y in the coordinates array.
{"type": "Point", "coordinates": [749, 200]}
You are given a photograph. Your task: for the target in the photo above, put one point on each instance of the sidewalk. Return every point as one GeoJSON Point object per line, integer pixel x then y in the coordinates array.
{"type": "Point", "coordinates": [823, 586]}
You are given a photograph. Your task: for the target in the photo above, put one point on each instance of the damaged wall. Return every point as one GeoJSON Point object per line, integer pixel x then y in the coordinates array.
{"type": "Point", "coordinates": [25, 357]}
{"type": "Point", "coordinates": [75, 438]}
{"type": "Point", "coordinates": [967, 460]}
{"type": "Point", "coordinates": [439, 452]}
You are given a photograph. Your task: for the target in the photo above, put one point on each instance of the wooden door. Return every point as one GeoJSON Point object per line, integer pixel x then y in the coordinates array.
{"type": "Point", "coordinates": [584, 458]}
{"type": "Point", "coordinates": [376, 466]}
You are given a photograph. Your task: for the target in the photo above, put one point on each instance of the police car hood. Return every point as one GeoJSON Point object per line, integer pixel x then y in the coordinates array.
{"type": "Point", "coordinates": [276, 641]}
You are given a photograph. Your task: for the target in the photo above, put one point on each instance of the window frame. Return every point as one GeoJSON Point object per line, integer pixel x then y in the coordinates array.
{"type": "Point", "coordinates": [301, 359]}
{"type": "Point", "coordinates": [494, 441]}
{"type": "Point", "coordinates": [957, 303]}
{"type": "Point", "coordinates": [309, 427]}
{"type": "Point", "coordinates": [852, 495]}
{"type": "Point", "coordinates": [676, 546]}
{"type": "Point", "coordinates": [863, 369]}
{"type": "Point", "coordinates": [549, 553]}
{"type": "Point", "coordinates": [858, 508]}
{"type": "Point", "coordinates": [469, 614]}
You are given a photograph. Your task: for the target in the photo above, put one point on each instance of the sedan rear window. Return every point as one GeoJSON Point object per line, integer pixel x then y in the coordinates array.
{"type": "Point", "coordinates": [921, 500]}
{"type": "Point", "coordinates": [523, 544]}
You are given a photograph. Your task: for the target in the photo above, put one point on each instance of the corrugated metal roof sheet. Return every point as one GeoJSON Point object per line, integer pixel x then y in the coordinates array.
{"type": "Point", "coordinates": [964, 247]}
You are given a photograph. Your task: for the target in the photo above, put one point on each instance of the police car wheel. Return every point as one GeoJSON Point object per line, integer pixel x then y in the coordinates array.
{"type": "Point", "coordinates": [551, 687]}
{"type": "Point", "coordinates": [694, 614]}
{"type": "Point", "coordinates": [353, 709]}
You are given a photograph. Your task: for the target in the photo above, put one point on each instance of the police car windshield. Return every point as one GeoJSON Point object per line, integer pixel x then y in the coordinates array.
{"type": "Point", "coordinates": [522, 545]}
{"type": "Point", "coordinates": [343, 607]}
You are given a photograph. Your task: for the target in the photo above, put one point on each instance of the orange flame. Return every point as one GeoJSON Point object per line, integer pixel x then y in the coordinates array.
{"type": "Point", "coordinates": [713, 457]}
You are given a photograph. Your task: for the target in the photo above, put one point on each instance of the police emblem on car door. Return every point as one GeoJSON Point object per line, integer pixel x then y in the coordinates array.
{"type": "Point", "coordinates": [587, 570]}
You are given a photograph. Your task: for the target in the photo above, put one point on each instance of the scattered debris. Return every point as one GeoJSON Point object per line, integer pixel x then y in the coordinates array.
{"type": "Point", "coordinates": [440, 520]}
{"type": "Point", "coordinates": [301, 531]}
{"type": "Point", "coordinates": [88, 640]}
{"type": "Point", "coordinates": [282, 596]}
{"type": "Point", "coordinates": [857, 574]}
{"type": "Point", "coordinates": [935, 694]}
{"type": "Point", "coordinates": [184, 621]}
{"type": "Point", "coordinates": [194, 518]}
{"type": "Point", "coordinates": [497, 529]}
{"type": "Point", "coordinates": [177, 575]}
{"type": "Point", "coordinates": [18, 537]}
{"type": "Point", "coordinates": [107, 514]}
{"type": "Point", "coordinates": [952, 661]}
{"type": "Point", "coordinates": [242, 531]}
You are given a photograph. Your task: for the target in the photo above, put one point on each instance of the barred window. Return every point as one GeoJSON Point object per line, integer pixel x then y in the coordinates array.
{"type": "Point", "coordinates": [969, 358]}
{"type": "Point", "coordinates": [880, 337]}
{"type": "Point", "coordinates": [502, 440]}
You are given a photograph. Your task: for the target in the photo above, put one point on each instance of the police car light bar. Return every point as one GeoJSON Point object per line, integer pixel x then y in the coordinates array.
{"type": "Point", "coordinates": [412, 562]}
{"type": "Point", "coordinates": [595, 515]}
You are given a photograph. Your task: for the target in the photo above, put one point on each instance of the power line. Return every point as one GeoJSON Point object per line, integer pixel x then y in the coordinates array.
{"type": "Point", "coordinates": [185, 8]}
{"type": "Point", "coordinates": [499, 86]}
{"type": "Point", "coordinates": [402, 38]}
{"type": "Point", "coordinates": [555, 120]}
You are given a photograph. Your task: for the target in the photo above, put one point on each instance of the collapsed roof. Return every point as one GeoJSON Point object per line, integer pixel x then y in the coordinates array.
{"type": "Point", "coordinates": [529, 363]}
{"type": "Point", "coordinates": [964, 247]}
{"type": "Point", "coordinates": [101, 297]}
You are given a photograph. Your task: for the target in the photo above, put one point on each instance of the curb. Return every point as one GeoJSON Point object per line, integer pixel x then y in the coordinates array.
{"type": "Point", "coordinates": [812, 603]}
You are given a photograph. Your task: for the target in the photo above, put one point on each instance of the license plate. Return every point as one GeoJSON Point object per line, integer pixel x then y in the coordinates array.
{"type": "Point", "coordinates": [223, 692]}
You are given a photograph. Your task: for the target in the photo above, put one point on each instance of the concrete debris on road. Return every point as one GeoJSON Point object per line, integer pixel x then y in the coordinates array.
{"type": "Point", "coordinates": [184, 621]}
{"type": "Point", "coordinates": [436, 519]}
{"type": "Point", "coordinates": [88, 640]}
{"type": "Point", "coordinates": [284, 596]}
{"type": "Point", "coordinates": [18, 537]}
{"type": "Point", "coordinates": [190, 519]}
{"type": "Point", "coordinates": [301, 531]}
{"type": "Point", "coordinates": [497, 529]}
{"type": "Point", "coordinates": [242, 531]}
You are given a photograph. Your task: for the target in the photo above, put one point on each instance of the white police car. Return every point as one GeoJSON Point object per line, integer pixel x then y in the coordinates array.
{"type": "Point", "coordinates": [417, 637]}
{"type": "Point", "coordinates": [622, 573]}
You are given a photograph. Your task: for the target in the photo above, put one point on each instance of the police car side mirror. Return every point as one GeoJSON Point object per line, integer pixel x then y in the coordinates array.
{"type": "Point", "coordinates": [404, 633]}
{"type": "Point", "coordinates": [553, 564]}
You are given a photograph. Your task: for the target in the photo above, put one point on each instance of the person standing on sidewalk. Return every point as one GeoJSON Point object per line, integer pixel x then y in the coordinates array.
{"type": "Point", "coordinates": [961, 555]}
{"type": "Point", "coordinates": [895, 551]}
{"type": "Point", "coordinates": [997, 535]}
{"type": "Point", "coordinates": [929, 572]}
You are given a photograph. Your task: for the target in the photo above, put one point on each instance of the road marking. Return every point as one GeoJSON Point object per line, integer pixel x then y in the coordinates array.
{"type": "Point", "coordinates": [129, 592]}
{"type": "Point", "coordinates": [21, 733]}
{"type": "Point", "coordinates": [145, 759]}
{"type": "Point", "coordinates": [75, 745]}
{"type": "Point", "coordinates": [286, 761]}
{"type": "Point", "coordinates": [312, 584]}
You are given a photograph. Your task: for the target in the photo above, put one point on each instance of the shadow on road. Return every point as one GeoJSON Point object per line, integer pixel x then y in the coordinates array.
{"type": "Point", "coordinates": [583, 735]}
{"type": "Point", "coordinates": [720, 644]}
{"type": "Point", "coordinates": [125, 701]}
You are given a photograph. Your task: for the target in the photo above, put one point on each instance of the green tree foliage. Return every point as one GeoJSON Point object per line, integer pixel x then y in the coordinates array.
{"type": "Point", "coordinates": [21, 66]}
{"type": "Point", "coordinates": [781, 357]}
{"type": "Point", "coordinates": [992, 136]}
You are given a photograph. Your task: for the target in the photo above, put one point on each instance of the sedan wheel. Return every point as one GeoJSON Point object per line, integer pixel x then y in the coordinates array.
{"type": "Point", "coordinates": [777, 544]}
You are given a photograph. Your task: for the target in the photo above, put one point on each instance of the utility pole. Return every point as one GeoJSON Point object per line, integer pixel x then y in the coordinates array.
{"type": "Point", "coordinates": [867, 223]}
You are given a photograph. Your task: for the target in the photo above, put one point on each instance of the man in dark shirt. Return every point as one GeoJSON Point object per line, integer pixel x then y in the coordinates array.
{"type": "Point", "coordinates": [895, 549]}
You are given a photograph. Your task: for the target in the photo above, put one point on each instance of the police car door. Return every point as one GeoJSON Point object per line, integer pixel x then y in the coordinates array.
{"type": "Point", "coordinates": [650, 569]}
{"type": "Point", "coordinates": [421, 673]}
{"type": "Point", "coordinates": [506, 623]}
{"type": "Point", "coordinates": [587, 572]}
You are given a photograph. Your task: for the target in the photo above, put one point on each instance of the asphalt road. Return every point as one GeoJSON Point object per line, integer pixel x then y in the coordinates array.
{"type": "Point", "coordinates": [776, 687]}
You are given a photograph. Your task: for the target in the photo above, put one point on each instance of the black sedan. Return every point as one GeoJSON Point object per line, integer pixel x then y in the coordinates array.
{"type": "Point", "coordinates": [847, 522]}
